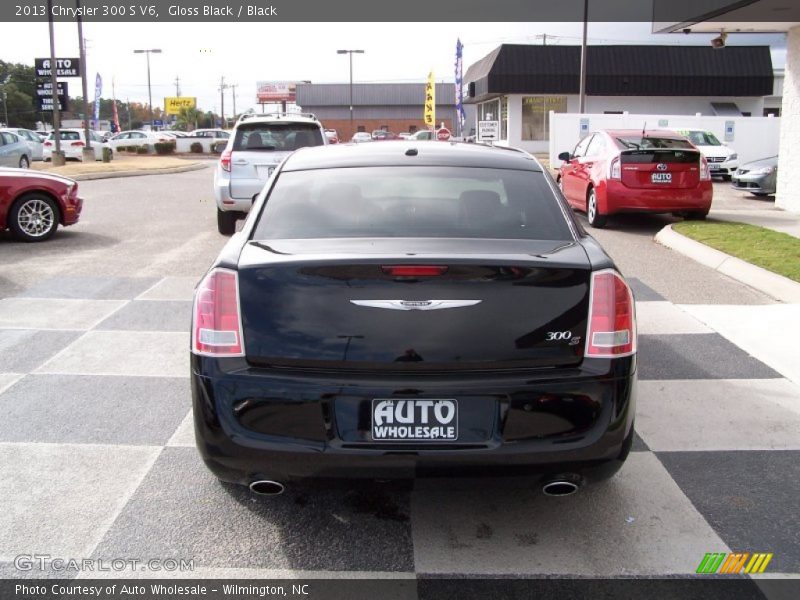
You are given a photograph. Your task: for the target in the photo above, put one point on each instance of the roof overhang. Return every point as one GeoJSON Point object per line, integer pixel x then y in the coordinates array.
{"type": "Point", "coordinates": [732, 16]}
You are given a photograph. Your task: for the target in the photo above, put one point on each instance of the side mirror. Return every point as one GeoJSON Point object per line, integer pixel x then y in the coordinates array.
{"type": "Point", "coordinates": [565, 156]}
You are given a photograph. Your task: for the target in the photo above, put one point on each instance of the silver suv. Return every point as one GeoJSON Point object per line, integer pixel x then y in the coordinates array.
{"type": "Point", "coordinates": [259, 142]}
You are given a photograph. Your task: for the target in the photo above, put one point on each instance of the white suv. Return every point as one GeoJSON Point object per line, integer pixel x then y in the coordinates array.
{"type": "Point", "coordinates": [258, 143]}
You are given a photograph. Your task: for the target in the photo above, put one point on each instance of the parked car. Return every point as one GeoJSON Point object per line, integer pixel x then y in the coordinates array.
{"type": "Point", "coordinates": [616, 171]}
{"type": "Point", "coordinates": [31, 138]}
{"type": "Point", "coordinates": [404, 135]}
{"type": "Point", "coordinates": [332, 135]}
{"type": "Point", "coordinates": [258, 144]}
{"type": "Point", "coordinates": [379, 135]}
{"type": "Point", "coordinates": [218, 134]}
{"type": "Point", "coordinates": [138, 138]}
{"type": "Point", "coordinates": [33, 204]}
{"type": "Point", "coordinates": [174, 134]}
{"type": "Point", "coordinates": [72, 143]}
{"type": "Point", "coordinates": [359, 137]}
{"type": "Point", "coordinates": [722, 160]}
{"type": "Point", "coordinates": [42, 134]}
{"type": "Point", "coordinates": [391, 314]}
{"type": "Point", "coordinates": [14, 151]}
{"type": "Point", "coordinates": [427, 134]}
{"type": "Point", "coordinates": [759, 177]}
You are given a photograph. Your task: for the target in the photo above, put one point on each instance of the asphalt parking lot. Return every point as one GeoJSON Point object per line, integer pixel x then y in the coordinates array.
{"type": "Point", "coordinates": [96, 442]}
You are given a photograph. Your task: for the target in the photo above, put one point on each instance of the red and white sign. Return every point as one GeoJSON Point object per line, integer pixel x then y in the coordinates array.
{"type": "Point", "coordinates": [443, 134]}
{"type": "Point", "coordinates": [276, 91]}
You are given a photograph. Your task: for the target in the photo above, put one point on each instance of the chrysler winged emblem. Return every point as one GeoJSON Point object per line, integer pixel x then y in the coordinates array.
{"type": "Point", "coordinates": [415, 304]}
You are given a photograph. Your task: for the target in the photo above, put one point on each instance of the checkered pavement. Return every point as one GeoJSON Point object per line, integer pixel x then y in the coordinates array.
{"type": "Point", "coordinates": [97, 460]}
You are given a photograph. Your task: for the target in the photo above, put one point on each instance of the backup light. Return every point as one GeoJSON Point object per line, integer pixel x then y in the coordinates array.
{"type": "Point", "coordinates": [217, 322]}
{"type": "Point", "coordinates": [612, 318]}
{"type": "Point", "coordinates": [225, 160]}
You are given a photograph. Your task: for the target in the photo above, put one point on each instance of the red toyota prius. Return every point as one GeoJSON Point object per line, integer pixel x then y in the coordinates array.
{"type": "Point", "coordinates": [617, 171]}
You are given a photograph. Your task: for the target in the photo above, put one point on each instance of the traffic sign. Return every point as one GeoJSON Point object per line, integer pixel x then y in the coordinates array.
{"type": "Point", "coordinates": [65, 67]}
{"type": "Point", "coordinates": [488, 131]}
{"type": "Point", "coordinates": [443, 134]}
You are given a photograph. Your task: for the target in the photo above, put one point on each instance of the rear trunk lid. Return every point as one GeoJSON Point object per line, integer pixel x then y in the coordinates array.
{"type": "Point", "coordinates": [662, 169]}
{"type": "Point", "coordinates": [493, 304]}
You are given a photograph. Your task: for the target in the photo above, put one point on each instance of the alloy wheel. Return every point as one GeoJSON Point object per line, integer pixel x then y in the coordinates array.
{"type": "Point", "coordinates": [36, 217]}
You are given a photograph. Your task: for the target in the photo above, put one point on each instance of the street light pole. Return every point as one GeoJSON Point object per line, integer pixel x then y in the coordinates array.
{"type": "Point", "coordinates": [582, 98]}
{"type": "Point", "coordinates": [57, 156]}
{"type": "Point", "coordinates": [351, 52]}
{"type": "Point", "coordinates": [149, 89]}
{"type": "Point", "coordinates": [88, 151]}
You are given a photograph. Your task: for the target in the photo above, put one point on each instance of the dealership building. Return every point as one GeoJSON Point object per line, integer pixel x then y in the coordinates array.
{"type": "Point", "coordinates": [395, 107]}
{"type": "Point", "coordinates": [518, 86]}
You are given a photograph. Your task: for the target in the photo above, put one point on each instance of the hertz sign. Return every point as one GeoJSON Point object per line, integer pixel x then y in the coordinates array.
{"type": "Point", "coordinates": [173, 105]}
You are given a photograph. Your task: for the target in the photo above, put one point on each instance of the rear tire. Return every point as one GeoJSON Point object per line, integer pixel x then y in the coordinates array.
{"type": "Point", "coordinates": [592, 212]}
{"type": "Point", "coordinates": [24, 163]}
{"type": "Point", "coordinates": [226, 222]}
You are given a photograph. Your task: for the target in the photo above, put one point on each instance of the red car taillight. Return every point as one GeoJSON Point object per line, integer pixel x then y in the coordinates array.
{"type": "Point", "coordinates": [614, 169]}
{"type": "Point", "coordinates": [77, 144]}
{"type": "Point", "coordinates": [705, 174]}
{"type": "Point", "coordinates": [225, 160]}
{"type": "Point", "coordinates": [612, 317]}
{"type": "Point", "coordinates": [217, 323]}
{"type": "Point", "coordinates": [48, 144]}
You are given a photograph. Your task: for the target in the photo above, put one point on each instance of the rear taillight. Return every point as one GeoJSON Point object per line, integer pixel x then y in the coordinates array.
{"type": "Point", "coordinates": [705, 174]}
{"type": "Point", "coordinates": [612, 318]}
{"type": "Point", "coordinates": [217, 324]}
{"type": "Point", "coordinates": [48, 144]}
{"type": "Point", "coordinates": [225, 160]}
{"type": "Point", "coordinates": [414, 270]}
{"type": "Point", "coordinates": [77, 144]}
{"type": "Point", "coordinates": [614, 169]}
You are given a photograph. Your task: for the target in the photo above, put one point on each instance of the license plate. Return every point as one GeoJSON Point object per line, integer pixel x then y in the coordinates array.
{"type": "Point", "coordinates": [661, 177]}
{"type": "Point", "coordinates": [414, 420]}
{"type": "Point", "coordinates": [264, 171]}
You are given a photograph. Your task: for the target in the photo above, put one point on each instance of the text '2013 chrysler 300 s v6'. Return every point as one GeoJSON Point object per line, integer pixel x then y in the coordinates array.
{"type": "Point", "coordinates": [412, 309]}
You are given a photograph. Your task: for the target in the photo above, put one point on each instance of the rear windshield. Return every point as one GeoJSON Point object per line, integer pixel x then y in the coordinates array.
{"type": "Point", "coordinates": [637, 142]}
{"type": "Point", "coordinates": [67, 135]}
{"type": "Point", "coordinates": [432, 202]}
{"type": "Point", "coordinates": [277, 136]}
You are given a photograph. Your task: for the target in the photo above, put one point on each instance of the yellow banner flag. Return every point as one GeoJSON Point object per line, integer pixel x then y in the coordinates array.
{"type": "Point", "coordinates": [430, 103]}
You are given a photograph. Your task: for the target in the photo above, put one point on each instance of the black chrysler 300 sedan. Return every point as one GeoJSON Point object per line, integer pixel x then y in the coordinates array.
{"type": "Point", "coordinates": [409, 309]}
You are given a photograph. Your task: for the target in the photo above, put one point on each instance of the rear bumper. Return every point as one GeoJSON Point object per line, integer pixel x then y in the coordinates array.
{"type": "Point", "coordinates": [255, 424]}
{"type": "Point", "coordinates": [617, 198]}
{"type": "Point", "coordinates": [222, 194]}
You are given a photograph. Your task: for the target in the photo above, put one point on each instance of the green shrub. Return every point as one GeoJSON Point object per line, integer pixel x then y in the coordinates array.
{"type": "Point", "coordinates": [165, 147]}
{"type": "Point", "coordinates": [107, 155]}
{"type": "Point", "coordinates": [142, 150]}
{"type": "Point", "coordinates": [196, 148]}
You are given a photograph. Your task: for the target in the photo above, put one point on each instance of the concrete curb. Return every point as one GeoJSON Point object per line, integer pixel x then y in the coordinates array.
{"type": "Point", "coordinates": [773, 285]}
{"type": "Point", "coordinates": [115, 174]}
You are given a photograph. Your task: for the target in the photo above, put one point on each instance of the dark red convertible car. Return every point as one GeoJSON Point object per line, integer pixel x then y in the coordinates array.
{"type": "Point", "coordinates": [32, 205]}
{"type": "Point", "coordinates": [616, 171]}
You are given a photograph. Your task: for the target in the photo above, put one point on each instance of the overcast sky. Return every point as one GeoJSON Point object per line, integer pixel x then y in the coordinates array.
{"type": "Point", "coordinates": [200, 53]}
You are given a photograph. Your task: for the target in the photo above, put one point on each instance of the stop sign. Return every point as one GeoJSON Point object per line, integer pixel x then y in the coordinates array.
{"type": "Point", "coordinates": [443, 134]}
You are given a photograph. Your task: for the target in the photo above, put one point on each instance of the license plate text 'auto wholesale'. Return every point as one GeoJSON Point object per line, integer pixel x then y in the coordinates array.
{"type": "Point", "coordinates": [414, 420]}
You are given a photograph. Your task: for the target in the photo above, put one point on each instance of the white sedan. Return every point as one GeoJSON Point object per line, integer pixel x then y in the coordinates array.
{"type": "Point", "coordinates": [360, 137]}
{"type": "Point", "coordinates": [138, 138]}
{"type": "Point", "coordinates": [73, 141]}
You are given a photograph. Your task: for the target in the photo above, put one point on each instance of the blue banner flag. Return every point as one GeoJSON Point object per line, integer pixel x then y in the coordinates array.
{"type": "Point", "coordinates": [460, 83]}
{"type": "Point", "coordinates": [98, 89]}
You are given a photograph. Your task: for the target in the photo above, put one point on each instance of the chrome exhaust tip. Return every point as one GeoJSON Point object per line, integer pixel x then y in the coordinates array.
{"type": "Point", "coordinates": [560, 487]}
{"type": "Point", "coordinates": [265, 487]}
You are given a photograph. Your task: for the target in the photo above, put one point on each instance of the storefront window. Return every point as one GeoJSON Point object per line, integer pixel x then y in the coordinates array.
{"type": "Point", "coordinates": [489, 111]}
{"type": "Point", "coordinates": [536, 116]}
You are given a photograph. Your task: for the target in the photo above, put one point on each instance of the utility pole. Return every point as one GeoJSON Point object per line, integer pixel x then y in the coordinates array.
{"type": "Point", "coordinates": [222, 88]}
{"type": "Point", "coordinates": [57, 157]}
{"type": "Point", "coordinates": [88, 152]}
{"type": "Point", "coordinates": [583, 57]}
{"type": "Point", "coordinates": [149, 89]}
{"type": "Point", "coordinates": [177, 86]}
{"type": "Point", "coordinates": [233, 87]}
{"type": "Point", "coordinates": [351, 52]}
{"type": "Point", "coordinates": [128, 104]}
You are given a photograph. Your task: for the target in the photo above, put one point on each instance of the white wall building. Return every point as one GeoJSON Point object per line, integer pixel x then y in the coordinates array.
{"type": "Point", "coordinates": [518, 85]}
